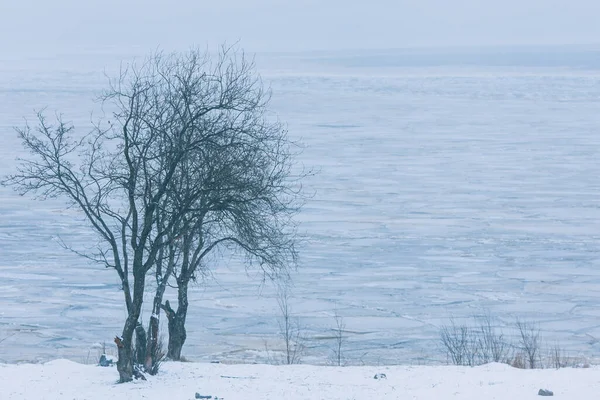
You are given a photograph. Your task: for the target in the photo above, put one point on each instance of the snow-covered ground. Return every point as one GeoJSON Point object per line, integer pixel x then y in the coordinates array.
{"type": "Point", "coordinates": [62, 379]}
{"type": "Point", "coordinates": [448, 184]}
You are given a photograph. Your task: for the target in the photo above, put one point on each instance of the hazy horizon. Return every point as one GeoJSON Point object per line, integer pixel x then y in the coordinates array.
{"type": "Point", "coordinates": [304, 25]}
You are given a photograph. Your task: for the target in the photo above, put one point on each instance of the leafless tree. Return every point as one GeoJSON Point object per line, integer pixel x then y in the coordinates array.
{"type": "Point", "coordinates": [249, 191]}
{"type": "Point", "coordinates": [172, 117]}
{"type": "Point", "coordinates": [164, 267]}
{"type": "Point", "coordinates": [115, 177]}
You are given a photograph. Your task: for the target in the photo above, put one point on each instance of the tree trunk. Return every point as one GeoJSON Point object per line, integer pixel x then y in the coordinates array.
{"type": "Point", "coordinates": [141, 344]}
{"type": "Point", "coordinates": [155, 352]}
{"type": "Point", "coordinates": [153, 355]}
{"type": "Point", "coordinates": [125, 342]}
{"type": "Point", "coordinates": [177, 332]}
{"type": "Point", "coordinates": [177, 336]}
{"type": "Point", "coordinates": [125, 350]}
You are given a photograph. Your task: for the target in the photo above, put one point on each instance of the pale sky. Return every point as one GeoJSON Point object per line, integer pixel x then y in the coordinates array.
{"type": "Point", "coordinates": [293, 25]}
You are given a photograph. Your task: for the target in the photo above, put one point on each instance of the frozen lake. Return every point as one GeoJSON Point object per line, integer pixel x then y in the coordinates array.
{"type": "Point", "coordinates": [450, 183]}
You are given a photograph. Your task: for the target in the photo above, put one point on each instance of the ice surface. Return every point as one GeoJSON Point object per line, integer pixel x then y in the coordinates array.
{"type": "Point", "coordinates": [444, 189]}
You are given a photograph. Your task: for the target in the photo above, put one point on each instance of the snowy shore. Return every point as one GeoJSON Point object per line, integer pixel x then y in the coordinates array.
{"type": "Point", "coordinates": [62, 379]}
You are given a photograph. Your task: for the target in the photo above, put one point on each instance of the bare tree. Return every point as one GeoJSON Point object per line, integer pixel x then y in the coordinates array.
{"type": "Point", "coordinates": [114, 177]}
{"type": "Point", "coordinates": [164, 267]}
{"type": "Point", "coordinates": [166, 113]}
{"type": "Point", "coordinates": [248, 190]}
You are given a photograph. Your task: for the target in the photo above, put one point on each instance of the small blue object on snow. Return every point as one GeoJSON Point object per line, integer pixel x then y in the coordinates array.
{"type": "Point", "coordinates": [105, 361]}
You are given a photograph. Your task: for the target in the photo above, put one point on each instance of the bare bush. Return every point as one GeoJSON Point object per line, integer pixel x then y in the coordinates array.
{"type": "Point", "coordinates": [557, 357]}
{"type": "Point", "coordinates": [476, 343]}
{"type": "Point", "coordinates": [290, 330]}
{"type": "Point", "coordinates": [481, 342]}
{"type": "Point", "coordinates": [460, 343]}
{"type": "Point", "coordinates": [492, 344]}
{"type": "Point", "coordinates": [339, 339]}
{"type": "Point", "coordinates": [518, 361]}
{"type": "Point", "coordinates": [158, 355]}
{"type": "Point", "coordinates": [529, 342]}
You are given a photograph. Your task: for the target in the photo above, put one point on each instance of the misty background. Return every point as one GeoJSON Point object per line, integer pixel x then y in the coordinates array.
{"type": "Point", "coordinates": [279, 25]}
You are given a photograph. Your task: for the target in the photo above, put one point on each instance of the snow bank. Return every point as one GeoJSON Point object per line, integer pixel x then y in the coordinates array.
{"type": "Point", "coordinates": [61, 379]}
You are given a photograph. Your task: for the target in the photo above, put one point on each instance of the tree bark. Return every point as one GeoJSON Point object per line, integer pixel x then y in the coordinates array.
{"type": "Point", "coordinates": [151, 360]}
{"type": "Point", "coordinates": [177, 332]}
{"type": "Point", "coordinates": [155, 352]}
{"type": "Point", "coordinates": [141, 344]}
{"type": "Point", "coordinates": [125, 342]}
{"type": "Point", "coordinates": [153, 332]}
{"type": "Point", "coordinates": [177, 336]}
{"type": "Point", "coordinates": [125, 351]}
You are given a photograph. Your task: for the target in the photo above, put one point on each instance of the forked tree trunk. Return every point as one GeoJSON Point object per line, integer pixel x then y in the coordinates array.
{"type": "Point", "coordinates": [125, 351]}
{"type": "Point", "coordinates": [124, 344]}
{"type": "Point", "coordinates": [177, 336]}
{"type": "Point", "coordinates": [177, 332]}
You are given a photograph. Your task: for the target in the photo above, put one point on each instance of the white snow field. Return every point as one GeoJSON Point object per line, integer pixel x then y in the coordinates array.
{"type": "Point", "coordinates": [449, 183]}
{"type": "Point", "coordinates": [62, 379]}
